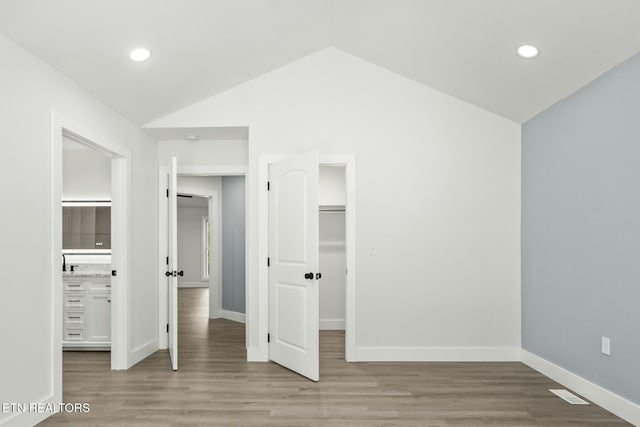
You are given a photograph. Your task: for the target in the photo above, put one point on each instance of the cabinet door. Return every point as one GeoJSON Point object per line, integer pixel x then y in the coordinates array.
{"type": "Point", "coordinates": [98, 317]}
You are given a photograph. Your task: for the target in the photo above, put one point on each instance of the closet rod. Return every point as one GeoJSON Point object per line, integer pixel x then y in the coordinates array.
{"type": "Point", "coordinates": [332, 209]}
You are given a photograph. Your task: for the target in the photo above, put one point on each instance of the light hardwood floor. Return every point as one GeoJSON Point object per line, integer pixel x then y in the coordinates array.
{"type": "Point", "coordinates": [216, 386]}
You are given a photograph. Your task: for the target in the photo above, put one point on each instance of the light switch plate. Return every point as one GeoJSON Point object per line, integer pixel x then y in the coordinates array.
{"type": "Point", "coordinates": [606, 346]}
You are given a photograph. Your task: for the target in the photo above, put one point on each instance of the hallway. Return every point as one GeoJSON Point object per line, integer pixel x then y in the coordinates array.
{"type": "Point", "coordinates": [217, 386]}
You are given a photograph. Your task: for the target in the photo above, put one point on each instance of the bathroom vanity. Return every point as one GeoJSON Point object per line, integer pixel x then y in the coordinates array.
{"type": "Point", "coordinates": [86, 275]}
{"type": "Point", "coordinates": [86, 309]}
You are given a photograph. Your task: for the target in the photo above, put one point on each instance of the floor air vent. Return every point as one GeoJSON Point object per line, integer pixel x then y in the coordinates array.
{"type": "Point", "coordinates": [568, 396]}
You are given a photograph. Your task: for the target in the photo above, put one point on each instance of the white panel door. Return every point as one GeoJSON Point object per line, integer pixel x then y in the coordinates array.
{"type": "Point", "coordinates": [173, 265]}
{"type": "Point", "coordinates": [293, 254]}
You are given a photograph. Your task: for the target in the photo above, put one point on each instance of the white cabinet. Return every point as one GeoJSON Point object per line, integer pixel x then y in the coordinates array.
{"type": "Point", "coordinates": [87, 313]}
{"type": "Point", "coordinates": [98, 317]}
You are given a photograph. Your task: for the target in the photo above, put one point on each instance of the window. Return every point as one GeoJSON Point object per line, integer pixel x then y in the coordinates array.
{"type": "Point", "coordinates": [206, 248]}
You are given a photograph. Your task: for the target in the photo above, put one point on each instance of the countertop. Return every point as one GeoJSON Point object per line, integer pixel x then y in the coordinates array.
{"type": "Point", "coordinates": [81, 274]}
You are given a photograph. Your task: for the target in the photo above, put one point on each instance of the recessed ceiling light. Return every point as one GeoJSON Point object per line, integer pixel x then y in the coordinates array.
{"type": "Point", "coordinates": [527, 51]}
{"type": "Point", "coordinates": [140, 54]}
{"type": "Point", "coordinates": [191, 136]}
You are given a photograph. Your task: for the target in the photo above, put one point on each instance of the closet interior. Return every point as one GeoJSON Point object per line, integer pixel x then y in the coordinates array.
{"type": "Point", "coordinates": [332, 247]}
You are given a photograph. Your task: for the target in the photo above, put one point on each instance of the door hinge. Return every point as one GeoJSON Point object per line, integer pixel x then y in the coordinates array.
{"type": "Point", "coordinates": [268, 262]}
{"type": "Point", "coordinates": [167, 328]}
{"type": "Point", "coordinates": [268, 186]}
{"type": "Point", "coordinates": [114, 272]}
{"type": "Point", "coordinates": [167, 193]}
{"type": "Point", "coordinates": [167, 260]}
{"type": "Point", "coordinates": [268, 337]}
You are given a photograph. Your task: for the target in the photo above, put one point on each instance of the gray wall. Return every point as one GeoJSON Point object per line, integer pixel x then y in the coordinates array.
{"type": "Point", "coordinates": [581, 231]}
{"type": "Point", "coordinates": [233, 247]}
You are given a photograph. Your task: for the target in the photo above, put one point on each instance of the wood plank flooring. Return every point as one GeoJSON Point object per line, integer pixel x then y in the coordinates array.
{"type": "Point", "coordinates": [216, 386]}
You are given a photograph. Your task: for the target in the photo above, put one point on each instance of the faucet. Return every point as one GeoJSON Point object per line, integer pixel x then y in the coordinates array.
{"type": "Point", "coordinates": [64, 263]}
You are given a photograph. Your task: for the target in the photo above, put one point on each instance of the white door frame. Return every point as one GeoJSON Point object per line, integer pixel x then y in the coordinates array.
{"type": "Point", "coordinates": [262, 328]}
{"type": "Point", "coordinates": [120, 295]}
{"type": "Point", "coordinates": [215, 298]}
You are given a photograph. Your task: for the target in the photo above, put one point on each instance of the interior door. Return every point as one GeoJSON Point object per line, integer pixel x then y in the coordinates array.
{"type": "Point", "coordinates": [172, 274]}
{"type": "Point", "coordinates": [293, 255]}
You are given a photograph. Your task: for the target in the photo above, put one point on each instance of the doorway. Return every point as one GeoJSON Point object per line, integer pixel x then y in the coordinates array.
{"type": "Point", "coordinates": [65, 128]}
{"type": "Point", "coordinates": [220, 258]}
{"type": "Point", "coordinates": [293, 246]}
{"type": "Point", "coordinates": [332, 247]}
{"type": "Point", "coordinates": [194, 241]}
{"type": "Point", "coordinates": [86, 247]}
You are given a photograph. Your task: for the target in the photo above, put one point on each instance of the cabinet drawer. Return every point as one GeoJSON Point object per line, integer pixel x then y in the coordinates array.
{"type": "Point", "coordinates": [74, 286]}
{"type": "Point", "coordinates": [74, 300]}
{"type": "Point", "coordinates": [101, 286]}
{"type": "Point", "coordinates": [74, 317]}
{"type": "Point", "coordinates": [74, 334]}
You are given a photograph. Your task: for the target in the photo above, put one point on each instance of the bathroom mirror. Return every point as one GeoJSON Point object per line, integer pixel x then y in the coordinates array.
{"type": "Point", "coordinates": [86, 226]}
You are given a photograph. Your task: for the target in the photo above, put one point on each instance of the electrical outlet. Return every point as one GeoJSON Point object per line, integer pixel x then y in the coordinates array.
{"type": "Point", "coordinates": [606, 346]}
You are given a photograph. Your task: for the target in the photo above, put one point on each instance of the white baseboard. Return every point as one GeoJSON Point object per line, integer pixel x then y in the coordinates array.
{"type": "Point", "coordinates": [233, 315]}
{"type": "Point", "coordinates": [436, 354]}
{"type": "Point", "coordinates": [610, 401]}
{"type": "Point", "coordinates": [257, 354]}
{"type": "Point", "coordinates": [143, 351]}
{"type": "Point", "coordinates": [332, 324]}
{"type": "Point", "coordinates": [27, 418]}
{"type": "Point", "coordinates": [193, 284]}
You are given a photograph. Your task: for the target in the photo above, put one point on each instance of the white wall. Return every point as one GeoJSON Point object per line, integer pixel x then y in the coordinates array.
{"type": "Point", "coordinates": [332, 191]}
{"type": "Point", "coordinates": [86, 175]}
{"type": "Point", "coordinates": [31, 90]}
{"type": "Point", "coordinates": [438, 196]}
{"type": "Point", "coordinates": [190, 246]}
{"type": "Point", "coordinates": [203, 152]}
{"type": "Point", "coordinates": [199, 183]}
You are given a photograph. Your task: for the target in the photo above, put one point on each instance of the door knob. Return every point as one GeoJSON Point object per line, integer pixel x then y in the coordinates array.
{"type": "Point", "coordinates": [181, 273]}
{"type": "Point", "coordinates": [167, 273]}
{"type": "Point", "coordinates": [308, 276]}
{"type": "Point", "coordinates": [318, 276]}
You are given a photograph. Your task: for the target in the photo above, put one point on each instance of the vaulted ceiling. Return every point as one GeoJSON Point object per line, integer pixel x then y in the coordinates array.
{"type": "Point", "coordinates": [465, 48]}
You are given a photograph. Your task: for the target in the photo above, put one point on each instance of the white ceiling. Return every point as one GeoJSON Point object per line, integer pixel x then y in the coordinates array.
{"type": "Point", "coordinates": [203, 47]}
